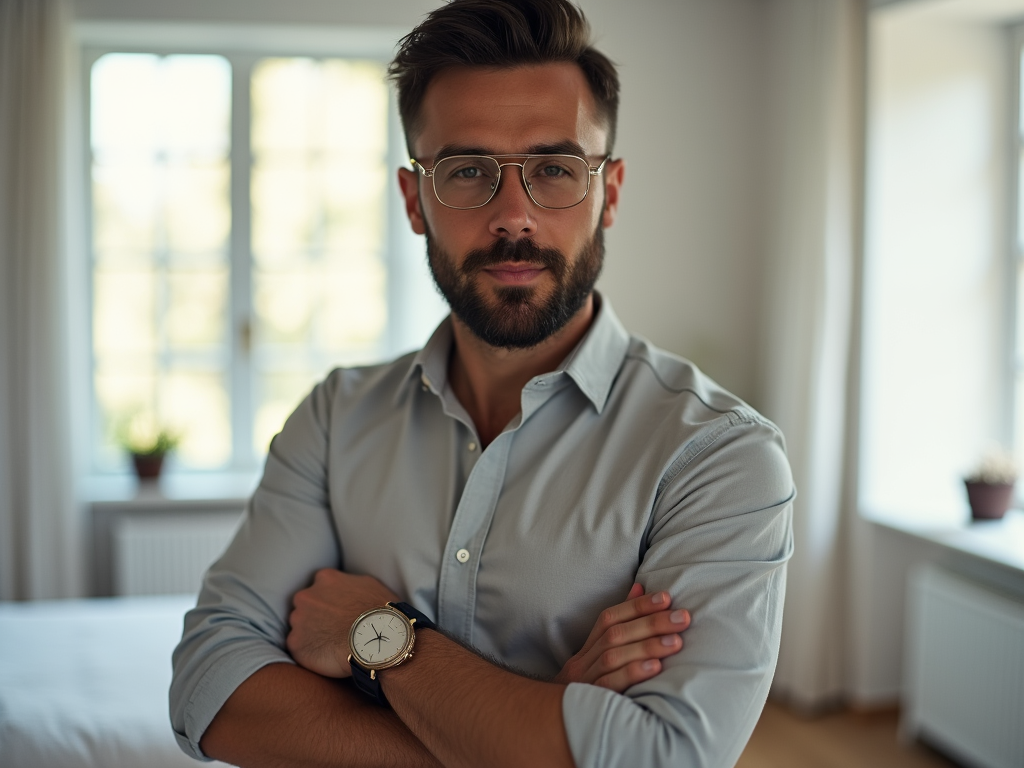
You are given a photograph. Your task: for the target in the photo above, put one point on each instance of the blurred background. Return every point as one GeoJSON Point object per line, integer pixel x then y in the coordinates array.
{"type": "Point", "coordinates": [199, 219]}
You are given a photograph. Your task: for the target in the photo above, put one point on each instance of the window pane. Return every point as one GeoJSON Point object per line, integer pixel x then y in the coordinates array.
{"type": "Point", "coordinates": [319, 140]}
{"type": "Point", "coordinates": [197, 404]}
{"type": "Point", "coordinates": [198, 218]}
{"type": "Point", "coordinates": [161, 223]}
{"type": "Point", "coordinates": [125, 201]}
{"type": "Point", "coordinates": [196, 314]}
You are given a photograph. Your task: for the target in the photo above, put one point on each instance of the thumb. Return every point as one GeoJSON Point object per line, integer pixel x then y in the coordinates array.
{"type": "Point", "coordinates": [635, 591]}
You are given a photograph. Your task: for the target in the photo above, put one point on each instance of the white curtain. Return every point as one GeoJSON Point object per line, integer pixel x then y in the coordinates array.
{"type": "Point", "coordinates": [38, 536]}
{"type": "Point", "coordinates": [814, 110]}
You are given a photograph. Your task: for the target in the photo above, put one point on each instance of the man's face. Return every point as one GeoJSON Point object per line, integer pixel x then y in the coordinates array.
{"type": "Point", "coordinates": [513, 272]}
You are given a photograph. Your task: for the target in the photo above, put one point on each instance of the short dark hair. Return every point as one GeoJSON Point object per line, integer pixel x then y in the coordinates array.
{"type": "Point", "coordinates": [500, 33]}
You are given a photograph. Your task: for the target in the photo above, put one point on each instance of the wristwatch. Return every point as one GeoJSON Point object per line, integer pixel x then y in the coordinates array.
{"type": "Point", "coordinates": [380, 639]}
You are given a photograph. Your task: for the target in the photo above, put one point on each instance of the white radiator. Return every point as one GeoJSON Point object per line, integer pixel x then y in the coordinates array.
{"type": "Point", "coordinates": [160, 554]}
{"type": "Point", "coordinates": [965, 669]}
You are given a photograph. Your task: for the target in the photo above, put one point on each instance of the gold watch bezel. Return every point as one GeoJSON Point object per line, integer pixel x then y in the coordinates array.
{"type": "Point", "coordinates": [394, 661]}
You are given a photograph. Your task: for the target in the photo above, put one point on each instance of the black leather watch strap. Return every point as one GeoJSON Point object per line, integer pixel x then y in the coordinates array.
{"type": "Point", "coordinates": [422, 622]}
{"type": "Point", "coordinates": [368, 685]}
{"type": "Point", "coordinates": [371, 685]}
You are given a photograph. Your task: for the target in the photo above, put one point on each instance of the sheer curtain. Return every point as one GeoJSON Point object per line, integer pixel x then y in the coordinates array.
{"type": "Point", "coordinates": [38, 541]}
{"type": "Point", "coordinates": [815, 113]}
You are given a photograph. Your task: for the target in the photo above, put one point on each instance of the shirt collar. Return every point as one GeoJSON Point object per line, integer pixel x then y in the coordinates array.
{"type": "Point", "coordinates": [429, 367]}
{"type": "Point", "coordinates": [593, 364]}
{"type": "Point", "coordinates": [596, 360]}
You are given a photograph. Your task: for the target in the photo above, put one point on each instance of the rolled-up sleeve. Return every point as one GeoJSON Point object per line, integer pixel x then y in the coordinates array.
{"type": "Point", "coordinates": [719, 538]}
{"type": "Point", "coordinates": [241, 620]}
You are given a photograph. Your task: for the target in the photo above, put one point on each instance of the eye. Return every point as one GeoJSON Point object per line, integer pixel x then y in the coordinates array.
{"type": "Point", "coordinates": [549, 170]}
{"type": "Point", "coordinates": [553, 171]}
{"type": "Point", "coordinates": [464, 169]}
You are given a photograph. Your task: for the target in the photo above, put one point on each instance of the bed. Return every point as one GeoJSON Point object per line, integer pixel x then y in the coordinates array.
{"type": "Point", "coordinates": [83, 683]}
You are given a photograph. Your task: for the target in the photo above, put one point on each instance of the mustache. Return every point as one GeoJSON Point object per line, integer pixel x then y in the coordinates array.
{"type": "Point", "coordinates": [523, 251]}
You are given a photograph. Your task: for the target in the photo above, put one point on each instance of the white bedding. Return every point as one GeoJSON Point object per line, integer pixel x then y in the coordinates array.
{"type": "Point", "coordinates": [84, 683]}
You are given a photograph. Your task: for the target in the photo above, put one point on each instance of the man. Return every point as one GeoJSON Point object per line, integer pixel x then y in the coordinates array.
{"type": "Point", "coordinates": [508, 483]}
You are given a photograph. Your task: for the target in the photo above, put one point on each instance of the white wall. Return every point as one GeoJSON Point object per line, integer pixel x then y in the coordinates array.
{"type": "Point", "coordinates": [683, 259]}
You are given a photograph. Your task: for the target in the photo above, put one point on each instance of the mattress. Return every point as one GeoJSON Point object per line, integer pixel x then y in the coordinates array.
{"type": "Point", "coordinates": [84, 683]}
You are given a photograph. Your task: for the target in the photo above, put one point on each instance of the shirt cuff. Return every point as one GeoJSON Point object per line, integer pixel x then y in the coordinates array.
{"type": "Point", "coordinates": [223, 675]}
{"type": "Point", "coordinates": [585, 712]}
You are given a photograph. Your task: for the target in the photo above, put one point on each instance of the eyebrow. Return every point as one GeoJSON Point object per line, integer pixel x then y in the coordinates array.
{"type": "Point", "coordinates": [566, 147]}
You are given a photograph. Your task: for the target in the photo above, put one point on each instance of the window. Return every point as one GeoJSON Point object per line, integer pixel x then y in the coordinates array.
{"type": "Point", "coordinates": [240, 242]}
{"type": "Point", "coordinates": [935, 341]}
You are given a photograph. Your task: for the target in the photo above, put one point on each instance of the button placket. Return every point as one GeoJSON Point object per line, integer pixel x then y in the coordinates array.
{"type": "Point", "coordinates": [456, 601]}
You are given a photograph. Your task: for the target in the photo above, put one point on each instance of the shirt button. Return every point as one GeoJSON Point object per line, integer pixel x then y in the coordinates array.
{"type": "Point", "coordinates": [462, 555]}
{"type": "Point", "coordinates": [471, 446]}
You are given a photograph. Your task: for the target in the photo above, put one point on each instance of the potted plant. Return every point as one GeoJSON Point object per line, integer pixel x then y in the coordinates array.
{"type": "Point", "coordinates": [990, 486]}
{"type": "Point", "coordinates": [147, 442]}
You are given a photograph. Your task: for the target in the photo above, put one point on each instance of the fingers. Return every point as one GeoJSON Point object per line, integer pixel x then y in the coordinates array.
{"type": "Point", "coordinates": [635, 591]}
{"type": "Point", "coordinates": [630, 675]}
{"type": "Point", "coordinates": [629, 610]}
{"type": "Point", "coordinates": [661, 623]}
{"type": "Point", "coordinates": [618, 657]}
{"type": "Point", "coordinates": [622, 656]}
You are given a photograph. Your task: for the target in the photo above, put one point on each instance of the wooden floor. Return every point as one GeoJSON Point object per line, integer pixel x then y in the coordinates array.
{"type": "Point", "coordinates": [783, 739]}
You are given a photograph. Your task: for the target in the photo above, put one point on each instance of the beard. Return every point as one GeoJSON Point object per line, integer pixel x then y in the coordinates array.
{"type": "Point", "coordinates": [520, 318]}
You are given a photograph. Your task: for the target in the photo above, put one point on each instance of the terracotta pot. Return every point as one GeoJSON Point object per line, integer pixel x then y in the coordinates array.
{"type": "Point", "coordinates": [989, 501]}
{"type": "Point", "coordinates": [148, 466]}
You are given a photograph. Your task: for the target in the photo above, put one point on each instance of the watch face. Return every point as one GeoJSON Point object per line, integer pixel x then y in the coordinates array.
{"type": "Point", "coordinates": [380, 638]}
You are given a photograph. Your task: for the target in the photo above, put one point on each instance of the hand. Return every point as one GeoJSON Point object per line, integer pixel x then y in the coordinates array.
{"type": "Point", "coordinates": [323, 615]}
{"type": "Point", "coordinates": [628, 642]}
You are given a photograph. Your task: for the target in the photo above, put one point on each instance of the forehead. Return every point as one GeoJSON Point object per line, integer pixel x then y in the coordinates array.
{"type": "Point", "coordinates": [509, 110]}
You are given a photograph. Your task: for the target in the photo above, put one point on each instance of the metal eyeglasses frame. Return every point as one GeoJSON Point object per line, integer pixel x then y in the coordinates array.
{"type": "Point", "coordinates": [428, 173]}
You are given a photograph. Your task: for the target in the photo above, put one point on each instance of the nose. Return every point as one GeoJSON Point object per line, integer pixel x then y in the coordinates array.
{"type": "Point", "coordinates": [512, 211]}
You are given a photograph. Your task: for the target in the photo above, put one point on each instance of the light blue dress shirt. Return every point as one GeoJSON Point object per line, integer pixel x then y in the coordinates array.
{"type": "Point", "coordinates": [626, 464]}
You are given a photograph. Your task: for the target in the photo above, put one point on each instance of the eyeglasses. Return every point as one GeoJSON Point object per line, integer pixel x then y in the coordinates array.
{"type": "Point", "coordinates": [471, 181]}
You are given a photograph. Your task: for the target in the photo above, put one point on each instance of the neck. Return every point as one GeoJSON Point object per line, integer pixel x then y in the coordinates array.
{"type": "Point", "coordinates": [489, 381]}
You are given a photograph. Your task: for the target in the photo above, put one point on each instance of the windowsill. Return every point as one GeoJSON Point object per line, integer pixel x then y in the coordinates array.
{"type": "Point", "coordinates": [172, 486]}
{"type": "Point", "coordinates": [997, 541]}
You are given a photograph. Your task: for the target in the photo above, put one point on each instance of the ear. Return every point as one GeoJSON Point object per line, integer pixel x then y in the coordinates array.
{"type": "Point", "coordinates": [409, 183]}
{"type": "Point", "coordinates": [614, 174]}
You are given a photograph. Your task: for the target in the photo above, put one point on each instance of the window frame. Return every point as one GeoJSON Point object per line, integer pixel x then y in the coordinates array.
{"type": "Point", "coordinates": [243, 46]}
{"type": "Point", "coordinates": [1014, 312]}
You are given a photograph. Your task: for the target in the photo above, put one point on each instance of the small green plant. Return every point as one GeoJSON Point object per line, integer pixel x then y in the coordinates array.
{"type": "Point", "coordinates": [996, 468]}
{"type": "Point", "coordinates": [143, 435]}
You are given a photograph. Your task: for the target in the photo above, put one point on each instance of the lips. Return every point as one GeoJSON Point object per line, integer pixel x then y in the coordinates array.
{"type": "Point", "coordinates": [515, 273]}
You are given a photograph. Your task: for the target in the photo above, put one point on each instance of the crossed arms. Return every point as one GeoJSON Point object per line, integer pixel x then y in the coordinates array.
{"type": "Point", "coordinates": [717, 541]}
{"type": "Point", "coordinates": [450, 706]}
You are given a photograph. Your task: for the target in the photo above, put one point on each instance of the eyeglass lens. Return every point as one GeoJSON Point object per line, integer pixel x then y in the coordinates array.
{"type": "Point", "coordinates": [553, 181]}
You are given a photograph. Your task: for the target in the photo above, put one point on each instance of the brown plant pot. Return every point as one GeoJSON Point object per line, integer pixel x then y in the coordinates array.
{"type": "Point", "coordinates": [148, 466]}
{"type": "Point", "coordinates": [989, 501]}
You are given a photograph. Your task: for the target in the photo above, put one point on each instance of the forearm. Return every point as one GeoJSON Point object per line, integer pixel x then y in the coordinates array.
{"type": "Point", "coordinates": [284, 715]}
{"type": "Point", "coordinates": [470, 713]}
